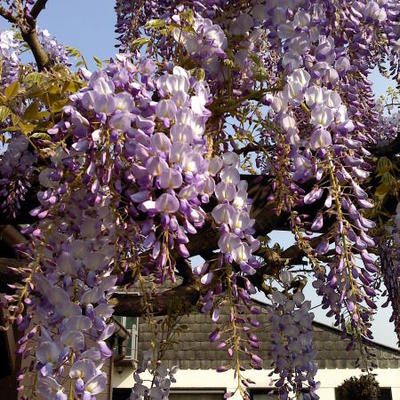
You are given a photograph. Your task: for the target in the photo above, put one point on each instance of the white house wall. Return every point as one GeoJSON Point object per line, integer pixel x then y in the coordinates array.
{"type": "Point", "coordinates": [210, 379]}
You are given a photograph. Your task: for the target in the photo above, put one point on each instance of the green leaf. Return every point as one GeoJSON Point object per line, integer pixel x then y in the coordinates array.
{"type": "Point", "coordinates": [201, 74]}
{"type": "Point", "coordinates": [140, 41]}
{"type": "Point", "coordinates": [71, 87]}
{"type": "Point", "coordinates": [72, 51]}
{"type": "Point", "coordinates": [188, 16]}
{"type": "Point", "coordinates": [33, 77]}
{"type": "Point", "coordinates": [57, 106]}
{"type": "Point", "coordinates": [255, 59]}
{"type": "Point", "coordinates": [229, 63]}
{"type": "Point", "coordinates": [41, 135]}
{"type": "Point", "coordinates": [155, 24]}
{"type": "Point", "coordinates": [382, 190]}
{"type": "Point", "coordinates": [12, 90]}
{"type": "Point", "coordinates": [384, 165]}
{"type": "Point", "coordinates": [98, 62]}
{"type": "Point", "coordinates": [32, 111]}
{"type": "Point", "coordinates": [5, 112]}
{"type": "Point", "coordinates": [26, 128]}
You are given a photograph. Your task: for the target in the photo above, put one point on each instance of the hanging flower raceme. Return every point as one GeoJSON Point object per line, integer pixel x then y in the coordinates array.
{"type": "Point", "coordinates": [158, 387]}
{"type": "Point", "coordinates": [55, 50]}
{"type": "Point", "coordinates": [326, 142]}
{"type": "Point", "coordinates": [16, 171]}
{"type": "Point", "coordinates": [158, 167]}
{"type": "Point", "coordinates": [233, 215]}
{"type": "Point", "coordinates": [292, 345]}
{"type": "Point", "coordinates": [131, 19]}
{"type": "Point", "coordinates": [69, 309]}
{"type": "Point", "coordinates": [9, 57]}
{"type": "Point", "coordinates": [206, 43]}
{"type": "Point", "coordinates": [234, 265]}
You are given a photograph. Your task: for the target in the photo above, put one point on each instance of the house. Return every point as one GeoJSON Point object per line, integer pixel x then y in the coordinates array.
{"type": "Point", "coordinates": [197, 359]}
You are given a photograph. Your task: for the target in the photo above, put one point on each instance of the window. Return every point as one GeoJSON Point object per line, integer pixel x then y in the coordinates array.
{"type": "Point", "coordinates": [385, 394]}
{"type": "Point", "coordinates": [131, 324]}
{"type": "Point", "coordinates": [264, 394]}
{"type": "Point", "coordinates": [121, 394]}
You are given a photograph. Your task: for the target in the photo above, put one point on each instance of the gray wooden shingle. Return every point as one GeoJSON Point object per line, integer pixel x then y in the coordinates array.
{"type": "Point", "coordinates": [194, 351]}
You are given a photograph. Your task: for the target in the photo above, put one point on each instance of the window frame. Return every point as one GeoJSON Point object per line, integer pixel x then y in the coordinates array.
{"type": "Point", "coordinates": [132, 353]}
{"type": "Point", "coordinates": [265, 391]}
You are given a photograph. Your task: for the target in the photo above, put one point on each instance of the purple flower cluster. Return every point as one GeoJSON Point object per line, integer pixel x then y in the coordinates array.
{"type": "Point", "coordinates": [237, 335]}
{"type": "Point", "coordinates": [203, 37]}
{"type": "Point", "coordinates": [130, 18]}
{"type": "Point", "coordinates": [55, 50]}
{"type": "Point", "coordinates": [9, 57]}
{"type": "Point", "coordinates": [325, 133]}
{"type": "Point", "coordinates": [161, 165]}
{"type": "Point", "coordinates": [233, 215]}
{"type": "Point", "coordinates": [17, 166]}
{"type": "Point", "coordinates": [236, 244]}
{"type": "Point", "coordinates": [387, 122]}
{"type": "Point", "coordinates": [149, 157]}
{"type": "Point", "coordinates": [291, 341]}
{"type": "Point", "coordinates": [205, 41]}
{"type": "Point", "coordinates": [73, 283]}
{"type": "Point", "coordinates": [158, 387]}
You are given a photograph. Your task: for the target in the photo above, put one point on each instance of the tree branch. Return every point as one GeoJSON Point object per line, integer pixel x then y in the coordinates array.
{"type": "Point", "coordinates": [26, 22]}
{"type": "Point", "coordinates": [11, 235]}
{"type": "Point", "coordinates": [248, 148]}
{"type": "Point", "coordinates": [29, 34]}
{"type": "Point", "coordinates": [8, 15]}
{"type": "Point", "coordinates": [185, 271]}
{"type": "Point", "coordinates": [37, 8]}
{"type": "Point", "coordinates": [31, 38]}
{"type": "Point", "coordinates": [295, 254]}
{"type": "Point", "coordinates": [179, 300]}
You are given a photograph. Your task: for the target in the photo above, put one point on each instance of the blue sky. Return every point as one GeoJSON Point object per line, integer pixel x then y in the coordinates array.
{"type": "Point", "coordinates": [88, 25]}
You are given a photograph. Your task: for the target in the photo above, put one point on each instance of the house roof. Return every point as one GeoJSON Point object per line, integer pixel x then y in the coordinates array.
{"type": "Point", "coordinates": [194, 351]}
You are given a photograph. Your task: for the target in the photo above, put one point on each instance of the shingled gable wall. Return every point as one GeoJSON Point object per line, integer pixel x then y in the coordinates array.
{"type": "Point", "coordinates": [197, 358]}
